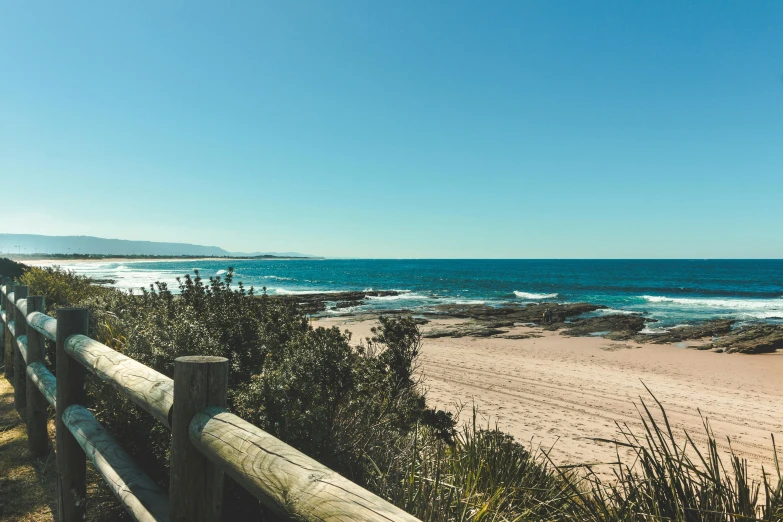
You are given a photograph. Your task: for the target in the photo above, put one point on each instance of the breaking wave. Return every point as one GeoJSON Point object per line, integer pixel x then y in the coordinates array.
{"type": "Point", "coordinates": [530, 295]}
{"type": "Point", "coordinates": [752, 308]}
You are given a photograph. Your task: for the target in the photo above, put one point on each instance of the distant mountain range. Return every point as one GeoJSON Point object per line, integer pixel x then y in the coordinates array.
{"type": "Point", "coordinates": [35, 244]}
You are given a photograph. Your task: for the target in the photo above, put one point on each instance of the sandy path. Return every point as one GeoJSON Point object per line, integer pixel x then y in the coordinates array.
{"type": "Point", "coordinates": [560, 391]}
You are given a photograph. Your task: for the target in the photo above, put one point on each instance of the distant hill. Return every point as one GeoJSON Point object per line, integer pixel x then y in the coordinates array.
{"type": "Point", "coordinates": [35, 244]}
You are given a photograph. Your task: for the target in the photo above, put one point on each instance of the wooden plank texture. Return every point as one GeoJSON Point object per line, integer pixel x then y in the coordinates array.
{"type": "Point", "coordinates": [71, 462]}
{"type": "Point", "coordinates": [196, 484]}
{"type": "Point", "coordinates": [151, 390]}
{"type": "Point", "coordinates": [282, 478]}
{"type": "Point", "coordinates": [20, 329]}
{"type": "Point", "coordinates": [43, 324]}
{"type": "Point", "coordinates": [139, 495]}
{"type": "Point", "coordinates": [45, 382]}
{"type": "Point", "coordinates": [21, 345]}
{"type": "Point", "coordinates": [21, 305]}
{"type": "Point", "coordinates": [36, 412]}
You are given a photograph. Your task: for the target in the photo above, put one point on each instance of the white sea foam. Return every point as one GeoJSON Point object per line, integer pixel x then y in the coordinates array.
{"type": "Point", "coordinates": [404, 296]}
{"type": "Point", "coordinates": [705, 302]}
{"type": "Point", "coordinates": [745, 308]}
{"type": "Point", "coordinates": [530, 295]}
{"type": "Point", "coordinates": [610, 311]}
{"type": "Point", "coordinates": [220, 272]}
{"type": "Point", "coordinates": [285, 291]}
{"type": "Point", "coordinates": [649, 330]}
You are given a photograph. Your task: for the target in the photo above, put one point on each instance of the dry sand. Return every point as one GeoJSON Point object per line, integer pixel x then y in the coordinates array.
{"type": "Point", "coordinates": [562, 391]}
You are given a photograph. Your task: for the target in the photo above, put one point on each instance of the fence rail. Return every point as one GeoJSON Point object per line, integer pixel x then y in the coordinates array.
{"type": "Point", "coordinates": [207, 441]}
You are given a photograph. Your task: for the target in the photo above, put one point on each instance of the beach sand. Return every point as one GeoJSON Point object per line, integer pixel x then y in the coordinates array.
{"type": "Point", "coordinates": [560, 392]}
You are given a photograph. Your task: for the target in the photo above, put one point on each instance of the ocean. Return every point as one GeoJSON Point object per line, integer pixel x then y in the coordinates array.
{"type": "Point", "coordinates": [673, 292]}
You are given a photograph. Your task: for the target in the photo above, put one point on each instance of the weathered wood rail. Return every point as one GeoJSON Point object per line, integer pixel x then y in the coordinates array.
{"type": "Point", "coordinates": [207, 441]}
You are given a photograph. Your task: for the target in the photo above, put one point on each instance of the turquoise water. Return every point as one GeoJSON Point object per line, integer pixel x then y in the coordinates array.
{"type": "Point", "coordinates": [671, 291]}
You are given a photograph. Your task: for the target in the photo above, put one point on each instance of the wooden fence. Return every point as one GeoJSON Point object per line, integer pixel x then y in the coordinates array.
{"type": "Point", "coordinates": [206, 440]}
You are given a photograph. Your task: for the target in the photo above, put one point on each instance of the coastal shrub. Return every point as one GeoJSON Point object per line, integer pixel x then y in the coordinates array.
{"type": "Point", "coordinates": [12, 269]}
{"type": "Point", "coordinates": [60, 288]}
{"type": "Point", "coordinates": [305, 385]}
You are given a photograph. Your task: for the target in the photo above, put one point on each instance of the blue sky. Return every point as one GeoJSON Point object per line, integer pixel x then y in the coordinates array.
{"type": "Point", "coordinates": [399, 129]}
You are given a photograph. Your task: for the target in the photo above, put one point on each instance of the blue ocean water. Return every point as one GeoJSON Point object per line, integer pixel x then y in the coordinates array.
{"type": "Point", "coordinates": [671, 291]}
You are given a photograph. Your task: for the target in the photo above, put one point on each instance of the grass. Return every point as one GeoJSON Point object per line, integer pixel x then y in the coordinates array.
{"type": "Point", "coordinates": [27, 485]}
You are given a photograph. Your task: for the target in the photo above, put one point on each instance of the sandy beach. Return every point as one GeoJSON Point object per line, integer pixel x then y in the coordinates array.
{"type": "Point", "coordinates": [560, 392]}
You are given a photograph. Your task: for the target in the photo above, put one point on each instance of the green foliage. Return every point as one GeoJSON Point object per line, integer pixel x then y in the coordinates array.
{"type": "Point", "coordinates": [60, 288]}
{"type": "Point", "coordinates": [12, 269]}
{"type": "Point", "coordinates": [483, 475]}
{"type": "Point", "coordinates": [673, 479]}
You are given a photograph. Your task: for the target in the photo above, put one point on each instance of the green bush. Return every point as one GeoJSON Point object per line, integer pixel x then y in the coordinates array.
{"type": "Point", "coordinates": [60, 288]}
{"type": "Point", "coordinates": [12, 269]}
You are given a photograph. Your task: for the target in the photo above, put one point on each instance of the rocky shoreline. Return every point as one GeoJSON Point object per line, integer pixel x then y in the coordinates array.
{"type": "Point", "coordinates": [479, 320]}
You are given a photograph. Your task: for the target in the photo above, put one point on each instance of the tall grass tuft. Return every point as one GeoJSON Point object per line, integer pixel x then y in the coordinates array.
{"type": "Point", "coordinates": [480, 475]}
{"type": "Point", "coordinates": [672, 478]}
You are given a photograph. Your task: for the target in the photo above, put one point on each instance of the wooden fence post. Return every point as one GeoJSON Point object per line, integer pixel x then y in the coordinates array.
{"type": "Point", "coordinates": [196, 485]}
{"type": "Point", "coordinates": [3, 335]}
{"type": "Point", "coordinates": [37, 435]}
{"type": "Point", "coordinates": [71, 460]}
{"type": "Point", "coordinates": [20, 328]}
{"type": "Point", "coordinates": [9, 339]}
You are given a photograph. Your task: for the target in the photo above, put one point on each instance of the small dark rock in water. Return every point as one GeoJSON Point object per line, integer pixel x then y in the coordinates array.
{"type": "Point", "coordinates": [684, 333]}
{"type": "Point", "coordinates": [620, 326]}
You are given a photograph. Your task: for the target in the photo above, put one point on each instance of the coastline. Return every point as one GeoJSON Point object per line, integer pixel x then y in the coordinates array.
{"type": "Point", "coordinates": [561, 392]}
{"type": "Point", "coordinates": [142, 259]}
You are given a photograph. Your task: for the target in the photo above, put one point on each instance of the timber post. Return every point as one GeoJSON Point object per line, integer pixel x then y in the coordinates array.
{"type": "Point", "coordinates": [8, 358]}
{"type": "Point", "coordinates": [196, 484]}
{"type": "Point", "coordinates": [5, 282]}
{"type": "Point", "coordinates": [36, 411]}
{"type": "Point", "coordinates": [71, 460]}
{"type": "Point", "coordinates": [20, 328]}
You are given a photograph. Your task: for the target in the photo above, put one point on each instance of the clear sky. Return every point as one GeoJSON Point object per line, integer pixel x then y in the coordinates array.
{"type": "Point", "coordinates": [398, 129]}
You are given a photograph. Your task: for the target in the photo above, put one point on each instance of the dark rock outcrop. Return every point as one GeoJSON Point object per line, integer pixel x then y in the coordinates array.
{"type": "Point", "coordinates": [317, 302]}
{"type": "Point", "coordinates": [712, 328]}
{"type": "Point", "coordinates": [511, 315]}
{"type": "Point", "coordinates": [489, 321]}
{"type": "Point", "coordinates": [757, 338]}
{"type": "Point", "coordinates": [619, 326]}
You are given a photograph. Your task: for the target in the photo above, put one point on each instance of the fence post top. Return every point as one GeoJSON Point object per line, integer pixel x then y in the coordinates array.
{"type": "Point", "coordinates": [71, 309]}
{"type": "Point", "coordinates": [200, 359]}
